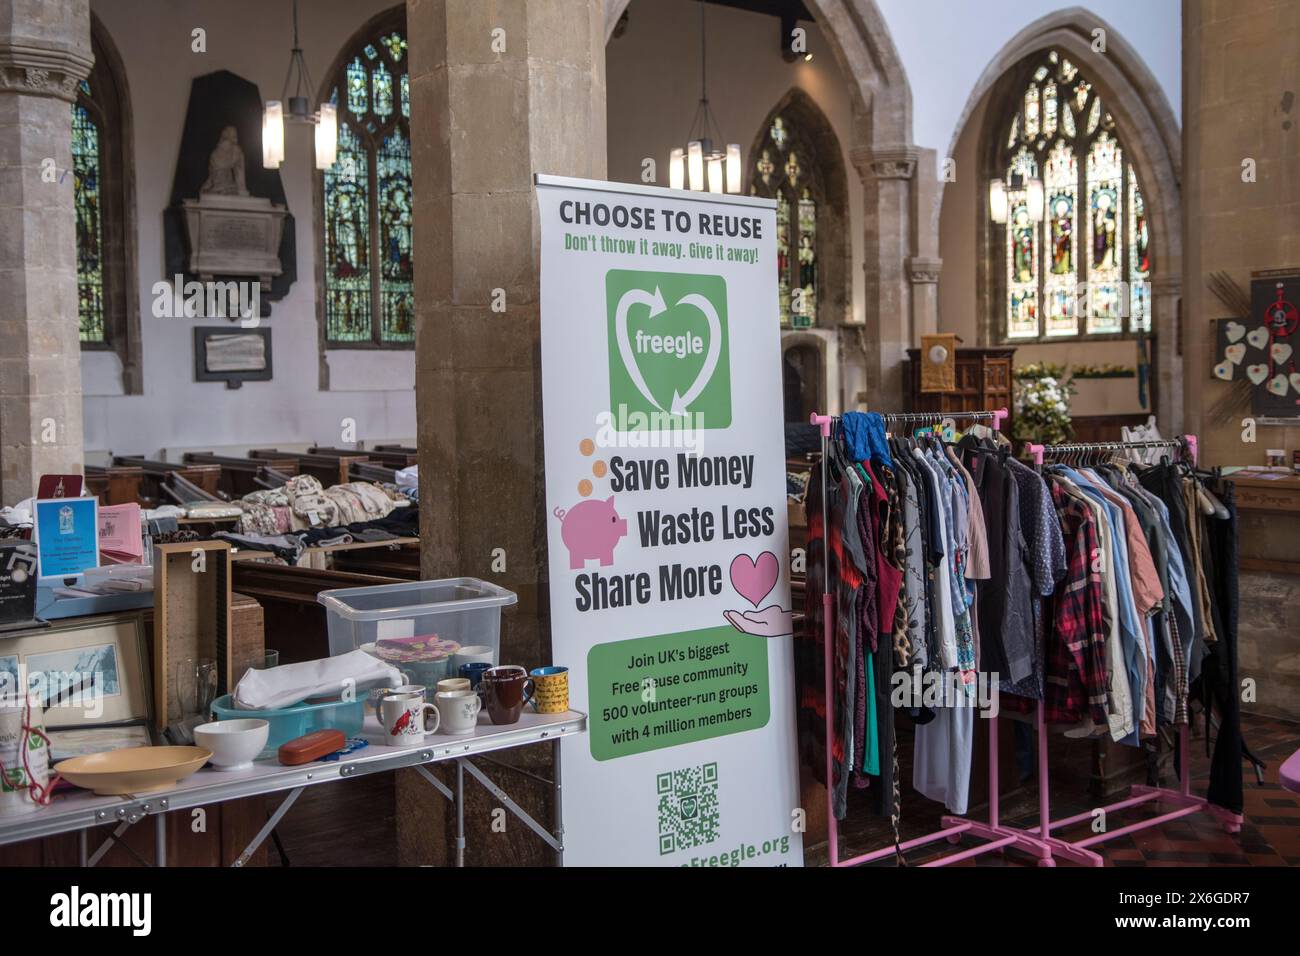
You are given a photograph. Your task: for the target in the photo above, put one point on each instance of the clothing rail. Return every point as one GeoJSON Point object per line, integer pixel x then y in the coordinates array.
{"type": "Point", "coordinates": [1038, 451]}
{"type": "Point", "coordinates": [1182, 798]}
{"type": "Point", "coordinates": [997, 835]}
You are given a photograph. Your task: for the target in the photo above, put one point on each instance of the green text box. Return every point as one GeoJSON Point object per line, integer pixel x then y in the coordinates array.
{"type": "Point", "coordinates": [707, 683]}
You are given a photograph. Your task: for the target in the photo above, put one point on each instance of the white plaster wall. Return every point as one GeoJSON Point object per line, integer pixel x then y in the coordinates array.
{"type": "Point", "coordinates": [251, 38]}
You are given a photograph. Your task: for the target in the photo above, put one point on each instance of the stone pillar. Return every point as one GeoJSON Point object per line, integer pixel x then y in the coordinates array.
{"type": "Point", "coordinates": [887, 174]}
{"type": "Point", "coordinates": [44, 53]}
{"type": "Point", "coordinates": [499, 91]}
{"type": "Point", "coordinates": [1166, 390]}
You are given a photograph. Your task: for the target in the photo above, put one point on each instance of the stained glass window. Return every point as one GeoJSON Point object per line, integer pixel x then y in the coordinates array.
{"type": "Point", "coordinates": [1084, 268]}
{"type": "Point", "coordinates": [782, 171]}
{"type": "Point", "coordinates": [87, 199]}
{"type": "Point", "coordinates": [369, 296]}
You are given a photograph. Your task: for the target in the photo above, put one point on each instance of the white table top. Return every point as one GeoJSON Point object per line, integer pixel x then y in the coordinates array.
{"type": "Point", "coordinates": [74, 811]}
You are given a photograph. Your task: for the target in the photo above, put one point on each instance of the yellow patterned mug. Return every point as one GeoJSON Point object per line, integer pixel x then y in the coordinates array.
{"type": "Point", "coordinates": [551, 689]}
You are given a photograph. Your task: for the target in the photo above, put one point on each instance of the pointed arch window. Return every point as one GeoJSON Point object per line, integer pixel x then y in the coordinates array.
{"type": "Point", "coordinates": [1084, 268]}
{"type": "Point", "coordinates": [104, 207]}
{"type": "Point", "coordinates": [368, 293]}
{"type": "Point", "coordinates": [786, 170]}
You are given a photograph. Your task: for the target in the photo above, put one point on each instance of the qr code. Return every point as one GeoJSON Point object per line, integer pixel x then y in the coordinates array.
{"type": "Point", "coordinates": [688, 807]}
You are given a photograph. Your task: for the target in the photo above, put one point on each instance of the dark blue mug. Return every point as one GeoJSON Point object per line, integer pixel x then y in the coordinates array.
{"type": "Point", "coordinates": [474, 672]}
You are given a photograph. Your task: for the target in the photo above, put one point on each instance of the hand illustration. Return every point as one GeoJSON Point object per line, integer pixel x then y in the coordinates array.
{"type": "Point", "coordinates": [772, 621]}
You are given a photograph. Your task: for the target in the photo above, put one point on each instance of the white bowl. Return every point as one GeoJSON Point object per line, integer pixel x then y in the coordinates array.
{"type": "Point", "coordinates": [235, 744]}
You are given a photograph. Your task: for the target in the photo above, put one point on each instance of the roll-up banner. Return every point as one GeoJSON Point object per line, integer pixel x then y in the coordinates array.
{"type": "Point", "coordinates": [668, 539]}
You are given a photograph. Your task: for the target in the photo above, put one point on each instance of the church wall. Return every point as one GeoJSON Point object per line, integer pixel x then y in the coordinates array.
{"type": "Point", "coordinates": [374, 388]}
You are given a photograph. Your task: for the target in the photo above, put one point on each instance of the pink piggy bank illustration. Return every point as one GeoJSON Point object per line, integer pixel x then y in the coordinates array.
{"type": "Point", "coordinates": [591, 529]}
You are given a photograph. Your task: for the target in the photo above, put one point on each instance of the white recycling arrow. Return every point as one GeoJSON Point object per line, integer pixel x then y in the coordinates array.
{"type": "Point", "coordinates": [657, 307]}
{"type": "Point", "coordinates": [683, 402]}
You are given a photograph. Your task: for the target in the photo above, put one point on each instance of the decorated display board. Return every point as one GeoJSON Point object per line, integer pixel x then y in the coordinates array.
{"type": "Point", "coordinates": [669, 546]}
{"type": "Point", "coordinates": [1262, 349]}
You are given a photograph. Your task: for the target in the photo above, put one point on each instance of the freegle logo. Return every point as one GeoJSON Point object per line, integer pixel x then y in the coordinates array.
{"type": "Point", "coordinates": [103, 909]}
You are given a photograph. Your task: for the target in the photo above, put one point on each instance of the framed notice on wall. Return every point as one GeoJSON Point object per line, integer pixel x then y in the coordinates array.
{"type": "Point", "coordinates": [668, 538]}
{"type": "Point", "coordinates": [232, 356]}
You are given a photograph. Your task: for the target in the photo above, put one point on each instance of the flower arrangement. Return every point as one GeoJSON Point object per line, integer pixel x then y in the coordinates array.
{"type": "Point", "coordinates": [1108, 370]}
{"type": "Point", "coordinates": [1042, 404]}
{"type": "Point", "coordinates": [1038, 370]}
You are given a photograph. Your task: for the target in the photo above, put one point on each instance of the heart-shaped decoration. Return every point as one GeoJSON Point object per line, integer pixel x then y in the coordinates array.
{"type": "Point", "coordinates": [1256, 373]}
{"type": "Point", "coordinates": [1224, 371]}
{"type": "Point", "coordinates": [1235, 353]}
{"type": "Point", "coordinates": [1279, 385]}
{"type": "Point", "coordinates": [1280, 352]}
{"type": "Point", "coordinates": [754, 580]}
{"type": "Point", "coordinates": [655, 392]}
{"type": "Point", "coordinates": [1258, 337]}
{"type": "Point", "coordinates": [1235, 331]}
{"type": "Point", "coordinates": [1295, 381]}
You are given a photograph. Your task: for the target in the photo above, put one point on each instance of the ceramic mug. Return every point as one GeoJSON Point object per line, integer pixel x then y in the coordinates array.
{"type": "Point", "coordinates": [474, 672]}
{"type": "Point", "coordinates": [458, 710]}
{"type": "Point", "coordinates": [452, 684]}
{"type": "Point", "coordinates": [505, 690]}
{"type": "Point", "coordinates": [552, 689]}
{"type": "Point", "coordinates": [472, 654]}
{"type": "Point", "coordinates": [377, 694]}
{"type": "Point", "coordinates": [402, 717]}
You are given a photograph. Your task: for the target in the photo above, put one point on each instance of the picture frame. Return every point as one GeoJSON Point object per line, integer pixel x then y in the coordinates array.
{"type": "Point", "coordinates": [232, 355]}
{"type": "Point", "coordinates": [91, 673]}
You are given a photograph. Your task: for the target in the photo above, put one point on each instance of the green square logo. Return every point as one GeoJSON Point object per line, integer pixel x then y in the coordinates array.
{"type": "Point", "coordinates": [668, 350]}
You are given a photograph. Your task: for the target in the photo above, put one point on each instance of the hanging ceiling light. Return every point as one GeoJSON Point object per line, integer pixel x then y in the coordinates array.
{"type": "Point", "coordinates": [687, 167]}
{"type": "Point", "coordinates": [273, 115]}
{"type": "Point", "coordinates": [999, 200]}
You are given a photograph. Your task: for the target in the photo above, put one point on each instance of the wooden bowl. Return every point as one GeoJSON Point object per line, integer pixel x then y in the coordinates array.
{"type": "Point", "coordinates": [132, 770]}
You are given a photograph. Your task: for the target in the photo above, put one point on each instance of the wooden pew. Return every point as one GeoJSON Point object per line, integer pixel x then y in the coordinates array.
{"type": "Point", "coordinates": [157, 474]}
{"type": "Point", "coordinates": [327, 469]}
{"type": "Point", "coordinates": [242, 476]}
{"type": "Point", "coordinates": [370, 471]}
{"type": "Point", "coordinates": [115, 484]}
{"type": "Point", "coordinates": [400, 458]}
{"type": "Point", "coordinates": [295, 620]}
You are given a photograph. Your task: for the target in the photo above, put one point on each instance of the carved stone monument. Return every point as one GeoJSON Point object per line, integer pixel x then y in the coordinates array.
{"type": "Point", "coordinates": [232, 233]}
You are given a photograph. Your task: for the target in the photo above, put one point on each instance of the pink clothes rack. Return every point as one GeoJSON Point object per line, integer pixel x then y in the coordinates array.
{"type": "Point", "coordinates": [954, 828]}
{"type": "Point", "coordinates": [1036, 841]}
{"type": "Point", "coordinates": [1183, 799]}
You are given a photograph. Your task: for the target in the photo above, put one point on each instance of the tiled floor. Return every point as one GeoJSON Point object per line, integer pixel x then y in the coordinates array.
{"type": "Point", "coordinates": [1269, 837]}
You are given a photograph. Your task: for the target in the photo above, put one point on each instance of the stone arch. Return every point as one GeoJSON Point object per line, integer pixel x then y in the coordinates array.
{"type": "Point", "coordinates": [1150, 133]}
{"type": "Point", "coordinates": [831, 191]}
{"type": "Point", "coordinates": [807, 358]}
{"type": "Point", "coordinates": [886, 160]}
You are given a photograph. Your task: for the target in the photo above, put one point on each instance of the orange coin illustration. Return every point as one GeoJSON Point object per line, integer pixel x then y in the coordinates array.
{"type": "Point", "coordinates": [586, 446]}
{"type": "Point", "coordinates": [598, 468]}
{"type": "Point", "coordinates": [584, 487]}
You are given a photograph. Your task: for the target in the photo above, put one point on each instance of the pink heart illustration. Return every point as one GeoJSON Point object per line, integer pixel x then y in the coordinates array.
{"type": "Point", "coordinates": [754, 580]}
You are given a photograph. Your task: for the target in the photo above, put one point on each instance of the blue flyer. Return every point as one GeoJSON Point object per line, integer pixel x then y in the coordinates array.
{"type": "Point", "coordinates": [67, 536]}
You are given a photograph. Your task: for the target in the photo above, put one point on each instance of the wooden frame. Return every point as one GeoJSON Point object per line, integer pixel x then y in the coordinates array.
{"type": "Point", "coordinates": [123, 714]}
{"type": "Point", "coordinates": [191, 616]}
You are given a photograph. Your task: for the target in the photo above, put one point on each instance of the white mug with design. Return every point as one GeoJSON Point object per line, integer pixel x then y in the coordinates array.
{"type": "Point", "coordinates": [402, 717]}
{"type": "Point", "coordinates": [458, 710]}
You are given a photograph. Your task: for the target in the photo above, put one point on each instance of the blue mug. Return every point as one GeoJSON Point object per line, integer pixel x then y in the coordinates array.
{"type": "Point", "coordinates": [474, 672]}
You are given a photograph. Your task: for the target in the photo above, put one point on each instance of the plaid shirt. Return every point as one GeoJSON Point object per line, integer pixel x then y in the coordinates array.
{"type": "Point", "coordinates": [1075, 667]}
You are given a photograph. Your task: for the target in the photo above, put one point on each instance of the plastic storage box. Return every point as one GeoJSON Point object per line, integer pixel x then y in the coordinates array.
{"type": "Point", "coordinates": [464, 610]}
{"type": "Point", "coordinates": [288, 723]}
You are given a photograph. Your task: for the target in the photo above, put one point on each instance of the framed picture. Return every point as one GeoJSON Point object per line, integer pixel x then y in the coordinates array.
{"type": "Point", "coordinates": [233, 356]}
{"type": "Point", "coordinates": [89, 673]}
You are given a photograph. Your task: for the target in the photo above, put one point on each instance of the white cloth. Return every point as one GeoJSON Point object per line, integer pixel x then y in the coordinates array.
{"type": "Point", "coordinates": [289, 684]}
{"type": "Point", "coordinates": [409, 477]}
